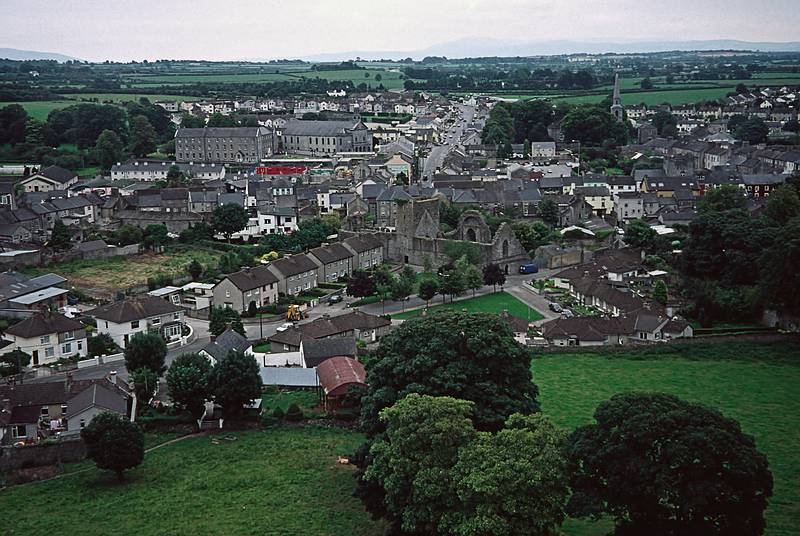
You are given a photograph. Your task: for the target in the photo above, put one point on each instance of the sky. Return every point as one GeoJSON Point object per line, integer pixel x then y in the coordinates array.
{"type": "Point", "coordinates": [124, 30]}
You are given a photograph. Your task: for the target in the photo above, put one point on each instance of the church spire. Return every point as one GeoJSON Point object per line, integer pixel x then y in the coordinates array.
{"type": "Point", "coordinates": [616, 106]}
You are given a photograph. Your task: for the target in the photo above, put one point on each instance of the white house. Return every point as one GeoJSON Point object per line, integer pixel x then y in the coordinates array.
{"type": "Point", "coordinates": [47, 337]}
{"type": "Point", "coordinates": [49, 179]}
{"type": "Point", "coordinates": [123, 319]}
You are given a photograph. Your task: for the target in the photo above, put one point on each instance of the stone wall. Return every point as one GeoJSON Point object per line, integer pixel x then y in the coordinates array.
{"type": "Point", "coordinates": [67, 450]}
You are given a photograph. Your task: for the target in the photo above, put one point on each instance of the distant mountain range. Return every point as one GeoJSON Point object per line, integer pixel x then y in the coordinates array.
{"type": "Point", "coordinates": [480, 47]}
{"type": "Point", "coordinates": [16, 54]}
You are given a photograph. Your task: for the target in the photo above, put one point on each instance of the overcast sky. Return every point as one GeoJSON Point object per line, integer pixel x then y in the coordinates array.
{"type": "Point", "coordinates": [234, 29]}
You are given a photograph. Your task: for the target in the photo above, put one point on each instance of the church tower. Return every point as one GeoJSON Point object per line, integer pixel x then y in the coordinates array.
{"type": "Point", "coordinates": [616, 107]}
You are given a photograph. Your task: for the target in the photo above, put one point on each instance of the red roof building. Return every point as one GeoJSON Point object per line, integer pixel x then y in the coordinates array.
{"type": "Point", "coordinates": [337, 376]}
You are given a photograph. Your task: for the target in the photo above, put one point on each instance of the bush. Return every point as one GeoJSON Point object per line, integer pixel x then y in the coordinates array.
{"type": "Point", "coordinates": [268, 420]}
{"type": "Point", "coordinates": [277, 413]}
{"type": "Point", "coordinates": [294, 413]}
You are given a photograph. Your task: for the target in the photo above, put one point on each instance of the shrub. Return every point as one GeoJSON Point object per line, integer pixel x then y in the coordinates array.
{"type": "Point", "coordinates": [277, 413]}
{"type": "Point", "coordinates": [294, 413]}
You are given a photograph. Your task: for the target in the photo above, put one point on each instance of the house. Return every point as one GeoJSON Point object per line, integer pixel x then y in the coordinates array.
{"type": "Point", "coordinates": [49, 179]}
{"type": "Point", "coordinates": [628, 206]}
{"type": "Point", "coordinates": [367, 249]}
{"type": "Point", "coordinates": [315, 351]}
{"type": "Point", "coordinates": [325, 137]}
{"type": "Point", "coordinates": [227, 342]}
{"type": "Point", "coordinates": [239, 289]}
{"type": "Point", "coordinates": [295, 274]}
{"type": "Point", "coordinates": [48, 337]}
{"type": "Point", "coordinates": [97, 398]}
{"type": "Point", "coordinates": [123, 319]}
{"type": "Point", "coordinates": [334, 261]}
{"type": "Point", "coordinates": [360, 325]}
{"type": "Point", "coordinates": [583, 331]}
{"type": "Point", "coordinates": [228, 145]}
{"type": "Point", "coordinates": [337, 377]}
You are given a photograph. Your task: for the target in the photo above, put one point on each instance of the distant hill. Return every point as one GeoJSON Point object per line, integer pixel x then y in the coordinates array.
{"type": "Point", "coordinates": [480, 47]}
{"type": "Point", "coordinates": [16, 54]}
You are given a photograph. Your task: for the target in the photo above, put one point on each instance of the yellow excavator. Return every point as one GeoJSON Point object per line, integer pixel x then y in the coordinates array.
{"type": "Point", "coordinates": [294, 313]}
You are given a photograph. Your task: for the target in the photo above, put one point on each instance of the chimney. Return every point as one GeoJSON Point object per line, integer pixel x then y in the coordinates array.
{"type": "Point", "coordinates": [112, 377]}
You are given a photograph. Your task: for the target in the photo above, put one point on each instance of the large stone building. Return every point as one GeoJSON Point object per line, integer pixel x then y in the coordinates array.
{"type": "Point", "coordinates": [226, 145]}
{"type": "Point", "coordinates": [418, 236]}
{"type": "Point", "coordinates": [326, 137]}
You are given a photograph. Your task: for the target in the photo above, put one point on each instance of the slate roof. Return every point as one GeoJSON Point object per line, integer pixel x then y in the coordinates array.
{"type": "Point", "coordinates": [294, 265]}
{"type": "Point", "coordinates": [99, 396]}
{"type": "Point", "coordinates": [17, 289]}
{"type": "Point", "coordinates": [134, 309]}
{"type": "Point", "coordinates": [220, 132]}
{"type": "Point", "coordinates": [331, 253]}
{"type": "Point", "coordinates": [39, 324]}
{"type": "Point", "coordinates": [57, 173]}
{"type": "Point", "coordinates": [315, 351]}
{"type": "Point", "coordinates": [363, 243]}
{"type": "Point", "coordinates": [584, 328]}
{"type": "Point", "coordinates": [228, 341]}
{"type": "Point", "coordinates": [300, 127]}
{"type": "Point", "coordinates": [328, 327]}
{"type": "Point", "coordinates": [251, 278]}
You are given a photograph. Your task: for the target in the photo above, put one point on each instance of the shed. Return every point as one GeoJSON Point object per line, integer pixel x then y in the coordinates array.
{"type": "Point", "coordinates": [337, 376]}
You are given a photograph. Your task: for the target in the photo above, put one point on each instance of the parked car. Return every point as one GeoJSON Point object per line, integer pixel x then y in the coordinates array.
{"type": "Point", "coordinates": [529, 268]}
{"type": "Point", "coordinates": [336, 298]}
{"type": "Point", "coordinates": [284, 326]}
{"type": "Point", "coordinates": [566, 313]}
{"type": "Point", "coordinates": [556, 308]}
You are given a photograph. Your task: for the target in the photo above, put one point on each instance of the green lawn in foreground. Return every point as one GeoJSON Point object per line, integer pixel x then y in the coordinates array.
{"type": "Point", "coordinates": [279, 481]}
{"type": "Point", "coordinates": [274, 398]}
{"type": "Point", "coordinates": [755, 384]}
{"type": "Point", "coordinates": [489, 303]}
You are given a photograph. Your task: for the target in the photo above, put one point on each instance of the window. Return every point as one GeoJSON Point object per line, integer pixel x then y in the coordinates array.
{"type": "Point", "coordinates": [286, 347]}
{"type": "Point", "coordinates": [44, 340]}
{"type": "Point", "coordinates": [49, 351]}
{"type": "Point", "coordinates": [227, 293]}
{"type": "Point", "coordinates": [67, 348]}
{"type": "Point", "coordinates": [69, 335]}
{"type": "Point", "coordinates": [83, 423]}
{"type": "Point", "coordinates": [176, 316]}
{"type": "Point", "coordinates": [19, 431]}
{"type": "Point", "coordinates": [45, 411]}
{"type": "Point", "coordinates": [134, 324]}
{"type": "Point", "coordinates": [156, 320]}
{"type": "Point", "coordinates": [63, 409]}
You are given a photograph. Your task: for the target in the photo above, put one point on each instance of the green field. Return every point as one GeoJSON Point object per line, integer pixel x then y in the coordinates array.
{"type": "Point", "coordinates": [278, 481]}
{"type": "Point", "coordinates": [755, 384]}
{"type": "Point", "coordinates": [180, 79]}
{"type": "Point", "coordinates": [489, 303]}
{"type": "Point", "coordinates": [125, 97]}
{"type": "Point", "coordinates": [40, 109]}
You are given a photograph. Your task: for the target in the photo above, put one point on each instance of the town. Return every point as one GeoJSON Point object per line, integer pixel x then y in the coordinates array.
{"type": "Point", "coordinates": [403, 286]}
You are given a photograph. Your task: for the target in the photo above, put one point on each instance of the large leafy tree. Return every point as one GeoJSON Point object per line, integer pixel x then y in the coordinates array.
{"type": "Point", "coordinates": [113, 443]}
{"type": "Point", "coordinates": [593, 125]}
{"type": "Point", "coordinates": [752, 130]}
{"type": "Point", "coordinates": [223, 317]}
{"type": "Point", "coordinates": [12, 124]}
{"type": "Point", "coordinates": [360, 284]}
{"type": "Point", "coordinates": [783, 205]}
{"type": "Point", "coordinates": [188, 381]}
{"type": "Point", "coordinates": [13, 362]}
{"type": "Point", "coordinates": [660, 465]}
{"type": "Point", "coordinates": [413, 461]}
{"type": "Point", "coordinates": [146, 350]}
{"type": "Point", "coordinates": [236, 380]}
{"type": "Point", "coordinates": [60, 236]}
{"type": "Point", "coordinates": [494, 275]}
{"type": "Point", "coordinates": [548, 211]}
{"type": "Point", "coordinates": [639, 234]}
{"type": "Point", "coordinates": [512, 483]}
{"type": "Point", "coordinates": [142, 136]}
{"type": "Point", "coordinates": [83, 123]}
{"type": "Point", "coordinates": [228, 219]}
{"type": "Point", "coordinates": [723, 198]}
{"type": "Point", "coordinates": [108, 149]}
{"type": "Point", "coordinates": [469, 356]}
{"type": "Point", "coordinates": [428, 288]}
{"type": "Point", "coordinates": [780, 278]}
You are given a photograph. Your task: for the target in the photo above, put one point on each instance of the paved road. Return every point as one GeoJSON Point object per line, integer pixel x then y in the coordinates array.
{"type": "Point", "coordinates": [454, 136]}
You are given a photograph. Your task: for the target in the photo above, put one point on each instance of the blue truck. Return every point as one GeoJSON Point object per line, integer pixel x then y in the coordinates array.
{"type": "Point", "coordinates": [528, 268]}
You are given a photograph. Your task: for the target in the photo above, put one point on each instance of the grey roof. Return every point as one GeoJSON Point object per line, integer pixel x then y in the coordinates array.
{"type": "Point", "coordinates": [139, 309]}
{"type": "Point", "coordinates": [91, 245]}
{"type": "Point", "coordinates": [363, 243]}
{"type": "Point", "coordinates": [39, 324]}
{"type": "Point", "coordinates": [294, 264]}
{"type": "Point", "coordinates": [16, 289]}
{"type": "Point", "coordinates": [315, 351]}
{"type": "Point", "coordinates": [97, 396]}
{"type": "Point", "coordinates": [251, 278]}
{"type": "Point", "coordinates": [228, 341]}
{"type": "Point", "coordinates": [289, 376]}
{"type": "Point", "coordinates": [331, 253]}
{"type": "Point", "coordinates": [57, 173]}
{"type": "Point", "coordinates": [221, 132]}
{"type": "Point", "coordinates": [299, 127]}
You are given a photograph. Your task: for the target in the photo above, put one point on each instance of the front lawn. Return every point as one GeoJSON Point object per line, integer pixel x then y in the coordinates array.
{"type": "Point", "coordinates": [489, 303]}
{"type": "Point", "coordinates": [278, 481]}
{"type": "Point", "coordinates": [754, 383]}
{"type": "Point", "coordinates": [275, 398]}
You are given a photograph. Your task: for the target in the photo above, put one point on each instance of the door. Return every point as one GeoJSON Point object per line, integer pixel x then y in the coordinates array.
{"type": "Point", "coordinates": [35, 357]}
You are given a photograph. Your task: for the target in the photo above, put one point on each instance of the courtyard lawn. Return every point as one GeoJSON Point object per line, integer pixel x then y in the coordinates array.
{"type": "Point", "coordinates": [119, 273]}
{"type": "Point", "coordinates": [275, 398]}
{"type": "Point", "coordinates": [753, 383]}
{"type": "Point", "coordinates": [489, 303]}
{"type": "Point", "coordinates": [278, 481]}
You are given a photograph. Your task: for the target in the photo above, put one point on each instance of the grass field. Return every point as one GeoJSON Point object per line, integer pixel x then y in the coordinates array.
{"type": "Point", "coordinates": [125, 97]}
{"type": "Point", "coordinates": [755, 384]}
{"type": "Point", "coordinates": [489, 303]}
{"type": "Point", "coordinates": [279, 481]}
{"type": "Point", "coordinates": [274, 398]}
{"type": "Point", "coordinates": [119, 273]}
{"type": "Point", "coordinates": [40, 109]}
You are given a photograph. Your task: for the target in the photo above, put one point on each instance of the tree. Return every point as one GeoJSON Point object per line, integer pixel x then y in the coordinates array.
{"type": "Point", "coordinates": [360, 284]}
{"type": "Point", "coordinates": [741, 89]}
{"type": "Point", "coordinates": [646, 83]}
{"type": "Point", "coordinates": [548, 211]}
{"type": "Point", "coordinates": [155, 236]}
{"type": "Point", "coordinates": [512, 483]}
{"type": "Point", "coordinates": [188, 381]}
{"type": "Point", "coordinates": [108, 149]}
{"type": "Point", "coordinates": [221, 318]}
{"type": "Point", "coordinates": [128, 234]}
{"type": "Point", "coordinates": [593, 125]}
{"type": "Point", "coordinates": [451, 283]}
{"type": "Point", "coordinates": [236, 380]}
{"type": "Point", "coordinates": [470, 356]}
{"type": "Point", "coordinates": [494, 275]}
{"type": "Point", "coordinates": [145, 382]}
{"type": "Point", "coordinates": [219, 120]}
{"type": "Point", "coordinates": [660, 465]}
{"type": "Point", "coordinates": [473, 278]}
{"type": "Point", "coordinates": [60, 237]}
{"type": "Point", "coordinates": [792, 125]}
{"type": "Point", "coordinates": [427, 263]}
{"type": "Point", "coordinates": [143, 136]}
{"type": "Point", "coordinates": [404, 285]}
{"type": "Point", "coordinates": [146, 350]}
{"type": "Point", "coordinates": [753, 130]}
{"type": "Point", "coordinates": [413, 462]}
{"type": "Point", "coordinates": [428, 288]}
{"type": "Point", "coordinates": [113, 443]}
{"type": "Point", "coordinates": [192, 121]}
{"type": "Point", "coordinates": [526, 148]}
{"type": "Point", "coordinates": [660, 293]}
{"type": "Point", "coordinates": [229, 219]}
{"type": "Point", "coordinates": [13, 362]}
{"type": "Point", "coordinates": [723, 198]}
{"type": "Point", "coordinates": [101, 344]}
{"type": "Point", "coordinates": [456, 249]}
{"type": "Point", "coordinates": [175, 177]}
{"type": "Point", "coordinates": [780, 278]}
{"type": "Point", "coordinates": [194, 269]}
{"type": "Point", "coordinates": [663, 119]}
{"type": "Point", "coordinates": [783, 205]}
{"type": "Point", "coordinates": [638, 234]}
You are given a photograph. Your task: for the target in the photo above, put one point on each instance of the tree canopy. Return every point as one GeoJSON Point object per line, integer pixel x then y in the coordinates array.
{"type": "Point", "coordinates": [236, 380]}
{"type": "Point", "coordinates": [188, 381]}
{"type": "Point", "coordinates": [113, 443]}
{"type": "Point", "coordinates": [146, 350]}
{"type": "Point", "coordinates": [228, 219]}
